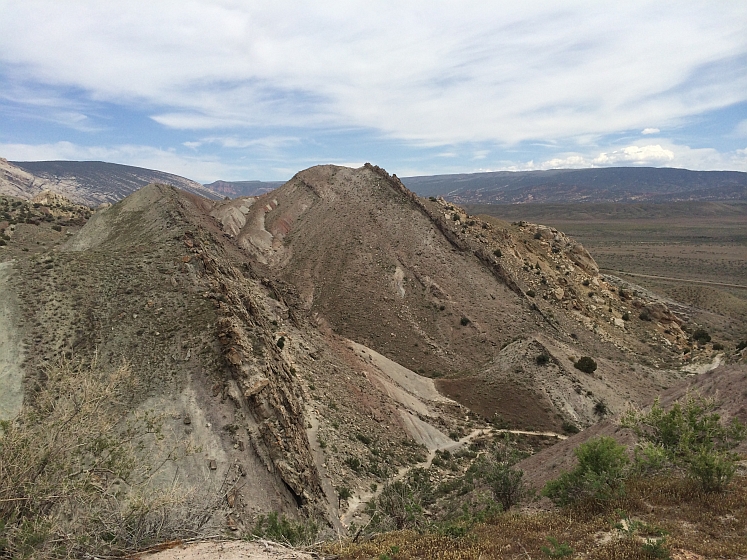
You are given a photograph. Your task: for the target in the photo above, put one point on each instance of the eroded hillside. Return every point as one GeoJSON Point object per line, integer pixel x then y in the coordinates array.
{"type": "Point", "coordinates": [333, 333]}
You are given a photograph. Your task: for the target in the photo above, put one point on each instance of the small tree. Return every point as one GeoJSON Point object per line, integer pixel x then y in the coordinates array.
{"type": "Point", "coordinates": [600, 474]}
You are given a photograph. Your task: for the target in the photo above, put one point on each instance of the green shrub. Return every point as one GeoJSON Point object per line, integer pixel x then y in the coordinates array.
{"type": "Point", "coordinates": [343, 493]}
{"type": "Point", "coordinates": [655, 548]}
{"type": "Point", "coordinates": [718, 346]}
{"type": "Point", "coordinates": [531, 293]}
{"type": "Point", "coordinates": [498, 253]}
{"type": "Point", "coordinates": [701, 336]}
{"type": "Point", "coordinates": [600, 407]}
{"type": "Point", "coordinates": [400, 505]}
{"type": "Point", "coordinates": [364, 439]}
{"type": "Point", "coordinates": [586, 364]}
{"type": "Point", "coordinates": [281, 529]}
{"type": "Point", "coordinates": [689, 437]}
{"type": "Point", "coordinates": [600, 474]}
{"type": "Point", "coordinates": [354, 463]}
{"type": "Point", "coordinates": [570, 428]}
{"type": "Point", "coordinates": [645, 315]}
{"type": "Point", "coordinates": [626, 316]}
{"type": "Point", "coordinates": [464, 321]}
{"type": "Point", "coordinates": [495, 471]}
{"type": "Point", "coordinates": [57, 227]}
{"type": "Point", "coordinates": [542, 359]}
{"type": "Point", "coordinates": [556, 549]}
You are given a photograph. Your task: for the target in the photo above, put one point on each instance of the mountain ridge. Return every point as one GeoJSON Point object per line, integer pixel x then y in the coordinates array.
{"type": "Point", "coordinates": [86, 182]}
{"type": "Point", "coordinates": [243, 188]}
{"type": "Point", "coordinates": [593, 185]}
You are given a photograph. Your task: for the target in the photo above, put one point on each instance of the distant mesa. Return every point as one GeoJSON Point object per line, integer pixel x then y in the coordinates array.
{"type": "Point", "coordinates": [232, 189]}
{"type": "Point", "coordinates": [610, 184]}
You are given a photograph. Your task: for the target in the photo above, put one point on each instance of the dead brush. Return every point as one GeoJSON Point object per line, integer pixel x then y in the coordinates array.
{"type": "Point", "coordinates": [74, 477]}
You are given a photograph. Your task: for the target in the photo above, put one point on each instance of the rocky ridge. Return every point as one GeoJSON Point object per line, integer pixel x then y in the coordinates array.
{"type": "Point", "coordinates": [335, 331]}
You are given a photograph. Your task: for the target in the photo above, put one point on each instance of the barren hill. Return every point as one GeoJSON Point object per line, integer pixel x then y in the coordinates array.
{"type": "Point", "coordinates": [332, 333]}
{"type": "Point", "coordinates": [86, 182]}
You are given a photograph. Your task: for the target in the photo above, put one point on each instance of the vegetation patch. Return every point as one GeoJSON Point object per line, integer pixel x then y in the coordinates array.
{"type": "Point", "coordinates": [586, 364]}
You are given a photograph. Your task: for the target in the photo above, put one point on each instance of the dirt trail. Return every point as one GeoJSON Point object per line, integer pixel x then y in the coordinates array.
{"type": "Point", "coordinates": [11, 349]}
{"type": "Point", "coordinates": [531, 433]}
{"type": "Point", "coordinates": [356, 503]}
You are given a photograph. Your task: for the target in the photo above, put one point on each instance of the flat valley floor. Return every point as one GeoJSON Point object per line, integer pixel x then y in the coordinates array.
{"type": "Point", "coordinates": [694, 253]}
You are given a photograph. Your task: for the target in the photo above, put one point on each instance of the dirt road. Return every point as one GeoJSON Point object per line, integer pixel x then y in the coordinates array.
{"type": "Point", "coordinates": [672, 279]}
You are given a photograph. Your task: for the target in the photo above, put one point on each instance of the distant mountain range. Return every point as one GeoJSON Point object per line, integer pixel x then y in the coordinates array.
{"type": "Point", "coordinates": [94, 182]}
{"type": "Point", "coordinates": [234, 189]}
{"type": "Point", "coordinates": [86, 182]}
{"type": "Point", "coordinates": [611, 184]}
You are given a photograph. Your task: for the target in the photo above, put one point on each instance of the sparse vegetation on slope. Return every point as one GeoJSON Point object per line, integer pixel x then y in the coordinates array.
{"type": "Point", "coordinates": [76, 471]}
{"type": "Point", "coordinates": [656, 515]}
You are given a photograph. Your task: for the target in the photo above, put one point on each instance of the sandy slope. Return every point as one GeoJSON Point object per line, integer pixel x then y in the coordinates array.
{"type": "Point", "coordinates": [11, 349]}
{"type": "Point", "coordinates": [229, 550]}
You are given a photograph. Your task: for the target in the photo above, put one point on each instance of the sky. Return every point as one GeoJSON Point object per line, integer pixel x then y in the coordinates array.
{"type": "Point", "coordinates": [258, 90]}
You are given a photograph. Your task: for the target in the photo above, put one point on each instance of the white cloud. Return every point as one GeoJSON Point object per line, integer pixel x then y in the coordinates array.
{"type": "Point", "coordinates": [741, 129]}
{"type": "Point", "coordinates": [650, 131]}
{"type": "Point", "coordinates": [643, 155]}
{"type": "Point", "coordinates": [435, 74]}
{"type": "Point", "coordinates": [265, 142]}
{"type": "Point", "coordinates": [565, 162]}
{"type": "Point", "coordinates": [669, 155]}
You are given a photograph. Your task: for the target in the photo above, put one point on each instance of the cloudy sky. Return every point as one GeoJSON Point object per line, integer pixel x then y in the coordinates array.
{"type": "Point", "coordinates": [223, 89]}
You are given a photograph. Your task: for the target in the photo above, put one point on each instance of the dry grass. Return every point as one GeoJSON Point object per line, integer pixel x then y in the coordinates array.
{"type": "Point", "coordinates": [709, 524]}
{"type": "Point", "coordinates": [76, 469]}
